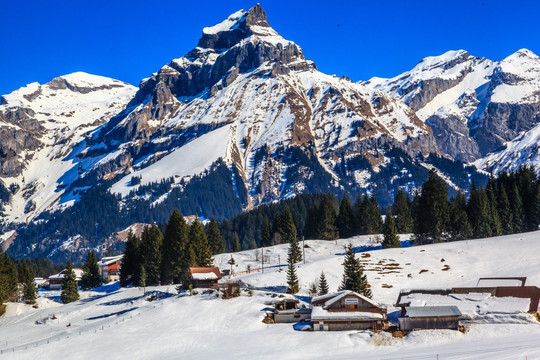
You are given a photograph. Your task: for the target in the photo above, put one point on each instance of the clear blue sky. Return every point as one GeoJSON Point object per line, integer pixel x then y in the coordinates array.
{"type": "Point", "coordinates": [130, 39]}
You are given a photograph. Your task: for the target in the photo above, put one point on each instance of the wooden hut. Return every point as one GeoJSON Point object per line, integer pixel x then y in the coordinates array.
{"type": "Point", "coordinates": [204, 277]}
{"type": "Point", "coordinates": [430, 317]}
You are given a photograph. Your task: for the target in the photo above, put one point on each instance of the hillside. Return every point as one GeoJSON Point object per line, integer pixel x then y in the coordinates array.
{"type": "Point", "coordinates": [120, 322]}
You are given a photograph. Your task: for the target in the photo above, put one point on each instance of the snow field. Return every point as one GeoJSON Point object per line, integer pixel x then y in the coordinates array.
{"type": "Point", "coordinates": [122, 323]}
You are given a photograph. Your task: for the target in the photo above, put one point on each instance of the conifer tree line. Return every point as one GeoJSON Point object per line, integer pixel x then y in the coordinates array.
{"type": "Point", "coordinates": [16, 280]}
{"type": "Point", "coordinates": [165, 257]}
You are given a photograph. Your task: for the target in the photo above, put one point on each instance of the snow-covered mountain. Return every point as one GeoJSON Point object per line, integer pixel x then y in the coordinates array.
{"type": "Point", "coordinates": [248, 96]}
{"type": "Point", "coordinates": [42, 131]}
{"type": "Point", "coordinates": [241, 120]}
{"type": "Point", "coordinates": [474, 105]}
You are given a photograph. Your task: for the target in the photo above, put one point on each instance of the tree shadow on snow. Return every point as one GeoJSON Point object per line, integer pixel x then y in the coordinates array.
{"type": "Point", "coordinates": [117, 313]}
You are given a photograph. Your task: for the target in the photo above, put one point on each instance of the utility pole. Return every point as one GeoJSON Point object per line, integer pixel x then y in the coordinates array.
{"type": "Point", "coordinates": [262, 260]}
{"type": "Point", "coordinates": [279, 262]}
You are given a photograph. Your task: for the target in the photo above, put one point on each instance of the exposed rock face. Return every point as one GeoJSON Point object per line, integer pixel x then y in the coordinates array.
{"type": "Point", "coordinates": [473, 105]}
{"type": "Point", "coordinates": [42, 130]}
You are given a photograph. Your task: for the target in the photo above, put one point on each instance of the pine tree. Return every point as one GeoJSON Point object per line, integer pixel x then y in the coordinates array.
{"type": "Point", "coordinates": [326, 224]}
{"type": "Point", "coordinates": [313, 288]}
{"type": "Point", "coordinates": [266, 236]}
{"type": "Point", "coordinates": [91, 277]}
{"type": "Point", "coordinates": [215, 240]}
{"type": "Point", "coordinates": [460, 227]}
{"type": "Point", "coordinates": [479, 213]}
{"type": "Point", "coordinates": [516, 204]}
{"type": "Point", "coordinates": [292, 278]}
{"type": "Point", "coordinates": [494, 220]}
{"type": "Point", "coordinates": [130, 262]}
{"type": "Point", "coordinates": [26, 277]}
{"type": "Point", "coordinates": [323, 284]}
{"type": "Point", "coordinates": [141, 276]}
{"type": "Point", "coordinates": [288, 234]}
{"type": "Point", "coordinates": [287, 229]}
{"type": "Point", "coordinates": [353, 275]}
{"type": "Point", "coordinates": [150, 253]}
{"type": "Point", "coordinates": [505, 211]}
{"type": "Point", "coordinates": [432, 211]}
{"type": "Point", "coordinates": [374, 223]}
{"type": "Point", "coordinates": [391, 238]}
{"type": "Point", "coordinates": [8, 278]}
{"type": "Point", "coordinates": [236, 243]}
{"type": "Point", "coordinates": [199, 242]}
{"type": "Point", "coordinates": [402, 212]}
{"type": "Point", "coordinates": [345, 218]}
{"type": "Point", "coordinates": [176, 255]}
{"type": "Point", "coordinates": [535, 210]}
{"type": "Point", "coordinates": [70, 291]}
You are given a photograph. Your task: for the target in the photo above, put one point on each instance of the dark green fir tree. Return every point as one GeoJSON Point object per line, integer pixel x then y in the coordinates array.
{"type": "Point", "coordinates": [353, 275]}
{"type": "Point", "coordinates": [176, 255]}
{"type": "Point", "coordinates": [91, 277]}
{"type": "Point", "coordinates": [323, 284]}
{"type": "Point", "coordinates": [215, 240]}
{"type": "Point", "coordinates": [292, 278]}
{"type": "Point", "coordinates": [129, 271]}
{"type": "Point", "coordinates": [391, 238]}
{"type": "Point", "coordinates": [150, 253]}
{"type": "Point", "coordinates": [402, 212]}
{"type": "Point", "coordinates": [70, 291]}
{"type": "Point", "coordinates": [345, 218]}
{"type": "Point", "coordinates": [199, 243]}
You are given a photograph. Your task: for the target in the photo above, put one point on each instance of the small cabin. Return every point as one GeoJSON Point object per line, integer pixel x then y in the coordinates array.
{"type": "Point", "coordinates": [204, 277]}
{"type": "Point", "coordinates": [430, 317]}
{"type": "Point", "coordinates": [346, 310]}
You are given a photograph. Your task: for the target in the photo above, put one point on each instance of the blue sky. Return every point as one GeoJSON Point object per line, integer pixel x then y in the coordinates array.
{"type": "Point", "coordinates": [128, 40]}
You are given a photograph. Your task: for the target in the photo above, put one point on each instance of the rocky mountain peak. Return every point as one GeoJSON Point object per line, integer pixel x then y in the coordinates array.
{"type": "Point", "coordinates": [238, 26]}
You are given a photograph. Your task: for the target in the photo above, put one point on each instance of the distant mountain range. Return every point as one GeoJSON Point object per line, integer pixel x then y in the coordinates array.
{"type": "Point", "coordinates": [245, 109]}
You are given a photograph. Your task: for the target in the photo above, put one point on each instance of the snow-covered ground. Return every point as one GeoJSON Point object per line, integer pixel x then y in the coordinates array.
{"type": "Point", "coordinates": [122, 323]}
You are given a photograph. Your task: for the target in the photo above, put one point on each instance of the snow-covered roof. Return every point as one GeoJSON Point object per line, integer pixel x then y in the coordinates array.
{"type": "Point", "coordinates": [205, 273]}
{"type": "Point", "coordinates": [494, 282]}
{"type": "Point", "coordinates": [204, 276]}
{"type": "Point", "coordinates": [318, 313]}
{"type": "Point", "coordinates": [430, 311]}
{"type": "Point", "coordinates": [327, 296]}
{"type": "Point", "coordinates": [110, 260]}
{"type": "Point", "coordinates": [472, 304]}
{"type": "Point", "coordinates": [78, 274]}
{"type": "Point", "coordinates": [335, 297]}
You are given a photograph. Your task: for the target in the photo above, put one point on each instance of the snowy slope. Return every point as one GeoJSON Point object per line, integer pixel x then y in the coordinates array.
{"type": "Point", "coordinates": [122, 323]}
{"type": "Point", "coordinates": [62, 111]}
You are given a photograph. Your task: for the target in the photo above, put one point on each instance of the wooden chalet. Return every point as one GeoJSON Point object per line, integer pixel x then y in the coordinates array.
{"type": "Point", "coordinates": [346, 310]}
{"type": "Point", "coordinates": [110, 267]}
{"type": "Point", "coordinates": [430, 317]}
{"type": "Point", "coordinates": [204, 277]}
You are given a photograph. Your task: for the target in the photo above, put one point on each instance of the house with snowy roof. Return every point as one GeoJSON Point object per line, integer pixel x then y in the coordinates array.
{"type": "Point", "coordinates": [109, 267]}
{"type": "Point", "coordinates": [204, 277]}
{"type": "Point", "coordinates": [55, 281]}
{"type": "Point", "coordinates": [346, 310]}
